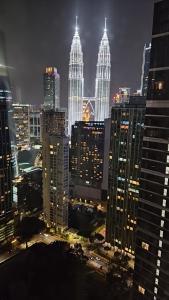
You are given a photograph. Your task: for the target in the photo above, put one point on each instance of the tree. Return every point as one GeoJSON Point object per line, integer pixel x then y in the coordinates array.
{"type": "Point", "coordinates": [28, 227]}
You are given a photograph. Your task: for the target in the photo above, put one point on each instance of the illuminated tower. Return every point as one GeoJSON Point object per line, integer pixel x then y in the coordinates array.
{"type": "Point", "coordinates": [102, 85]}
{"type": "Point", "coordinates": [76, 81]}
{"type": "Point", "coordinates": [51, 82]}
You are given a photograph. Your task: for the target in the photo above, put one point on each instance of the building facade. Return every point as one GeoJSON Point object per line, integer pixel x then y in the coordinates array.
{"type": "Point", "coordinates": [21, 117]}
{"type": "Point", "coordinates": [76, 82]}
{"type": "Point", "coordinates": [152, 240]}
{"type": "Point", "coordinates": [124, 171]}
{"type": "Point", "coordinates": [145, 69]}
{"type": "Point", "coordinates": [87, 153]}
{"type": "Point", "coordinates": [6, 196]}
{"type": "Point", "coordinates": [51, 83]}
{"type": "Point", "coordinates": [34, 123]}
{"type": "Point", "coordinates": [102, 84]}
{"type": "Point", "coordinates": [55, 152]}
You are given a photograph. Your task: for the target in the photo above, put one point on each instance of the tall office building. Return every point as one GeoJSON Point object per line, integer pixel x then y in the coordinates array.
{"type": "Point", "coordinates": [145, 69]}
{"type": "Point", "coordinates": [152, 240]}
{"type": "Point", "coordinates": [76, 81]}
{"type": "Point", "coordinates": [21, 119]}
{"type": "Point", "coordinates": [87, 153]}
{"type": "Point", "coordinates": [124, 170]}
{"type": "Point", "coordinates": [102, 85]}
{"type": "Point", "coordinates": [34, 123]}
{"type": "Point", "coordinates": [51, 82]}
{"type": "Point", "coordinates": [55, 153]}
{"type": "Point", "coordinates": [6, 220]}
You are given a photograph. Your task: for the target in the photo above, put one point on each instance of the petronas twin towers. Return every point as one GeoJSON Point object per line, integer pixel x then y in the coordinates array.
{"type": "Point", "coordinates": [76, 80]}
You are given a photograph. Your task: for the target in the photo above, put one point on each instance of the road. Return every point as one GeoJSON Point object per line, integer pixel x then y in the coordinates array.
{"type": "Point", "coordinates": [95, 261]}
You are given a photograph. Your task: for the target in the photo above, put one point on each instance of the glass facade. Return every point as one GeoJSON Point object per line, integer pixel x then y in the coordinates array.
{"type": "Point", "coordinates": [124, 172]}
{"type": "Point", "coordinates": [152, 241]}
{"type": "Point", "coordinates": [145, 69]}
{"type": "Point", "coordinates": [6, 170]}
{"type": "Point", "coordinates": [51, 81]}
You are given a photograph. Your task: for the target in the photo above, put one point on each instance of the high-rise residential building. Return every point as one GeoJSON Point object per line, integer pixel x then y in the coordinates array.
{"type": "Point", "coordinates": [126, 133]}
{"type": "Point", "coordinates": [145, 69]}
{"type": "Point", "coordinates": [102, 85]}
{"type": "Point", "coordinates": [6, 218]}
{"type": "Point", "coordinates": [76, 82]}
{"type": "Point", "coordinates": [51, 82]}
{"type": "Point", "coordinates": [34, 123]}
{"type": "Point", "coordinates": [55, 153]}
{"type": "Point", "coordinates": [21, 117]}
{"type": "Point", "coordinates": [87, 153]}
{"type": "Point", "coordinates": [152, 239]}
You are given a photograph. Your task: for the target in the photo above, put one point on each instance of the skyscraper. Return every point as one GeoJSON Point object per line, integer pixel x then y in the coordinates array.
{"type": "Point", "coordinates": [55, 152]}
{"type": "Point", "coordinates": [51, 81]}
{"type": "Point", "coordinates": [20, 114]}
{"type": "Point", "coordinates": [87, 153]}
{"type": "Point", "coordinates": [124, 171]}
{"type": "Point", "coordinates": [152, 240]}
{"type": "Point", "coordinates": [145, 69]}
{"type": "Point", "coordinates": [76, 81]}
{"type": "Point", "coordinates": [34, 123]}
{"type": "Point", "coordinates": [102, 84]}
{"type": "Point", "coordinates": [6, 220]}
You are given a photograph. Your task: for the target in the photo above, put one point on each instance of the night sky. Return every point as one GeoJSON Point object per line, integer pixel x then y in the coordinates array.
{"type": "Point", "coordinates": [39, 33]}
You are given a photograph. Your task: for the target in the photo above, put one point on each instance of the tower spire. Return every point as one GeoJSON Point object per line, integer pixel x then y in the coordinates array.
{"type": "Point", "coordinates": [105, 25]}
{"type": "Point", "coordinates": [76, 28]}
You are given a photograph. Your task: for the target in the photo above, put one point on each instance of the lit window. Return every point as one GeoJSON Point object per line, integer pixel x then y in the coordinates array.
{"type": "Point", "coordinates": [160, 243]}
{"type": "Point", "coordinates": [159, 85]}
{"type": "Point", "coordinates": [164, 202]}
{"type": "Point", "coordinates": [165, 192]}
{"type": "Point", "coordinates": [159, 253]}
{"type": "Point", "coordinates": [156, 281]}
{"type": "Point", "coordinates": [157, 272]}
{"type": "Point", "coordinates": [167, 170]}
{"type": "Point", "coordinates": [158, 262]}
{"type": "Point", "coordinates": [163, 213]}
{"type": "Point", "coordinates": [141, 289]}
{"type": "Point", "coordinates": [145, 246]}
{"type": "Point", "coordinates": [161, 233]}
{"type": "Point", "coordinates": [166, 181]}
{"type": "Point", "coordinates": [162, 223]}
{"type": "Point", "coordinates": [155, 290]}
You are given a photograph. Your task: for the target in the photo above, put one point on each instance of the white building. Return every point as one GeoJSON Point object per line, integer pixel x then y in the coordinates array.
{"type": "Point", "coordinates": [76, 81]}
{"type": "Point", "coordinates": [102, 84]}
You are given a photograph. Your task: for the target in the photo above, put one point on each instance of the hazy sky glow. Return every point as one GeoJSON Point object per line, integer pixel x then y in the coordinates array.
{"type": "Point", "coordinates": [39, 33]}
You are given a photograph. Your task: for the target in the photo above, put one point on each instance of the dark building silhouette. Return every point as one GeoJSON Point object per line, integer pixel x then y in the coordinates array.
{"type": "Point", "coordinates": [152, 240]}
{"type": "Point", "coordinates": [127, 121]}
{"type": "Point", "coordinates": [6, 221]}
{"type": "Point", "coordinates": [145, 69]}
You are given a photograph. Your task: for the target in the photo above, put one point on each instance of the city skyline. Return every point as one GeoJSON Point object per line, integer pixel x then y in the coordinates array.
{"type": "Point", "coordinates": [51, 37]}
